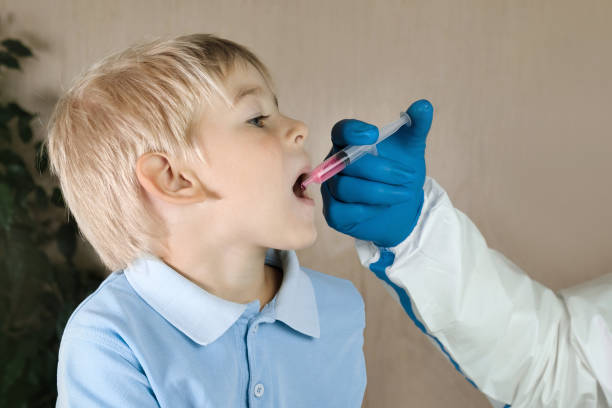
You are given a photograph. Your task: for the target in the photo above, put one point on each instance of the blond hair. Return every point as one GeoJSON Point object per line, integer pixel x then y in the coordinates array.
{"type": "Point", "coordinates": [146, 98]}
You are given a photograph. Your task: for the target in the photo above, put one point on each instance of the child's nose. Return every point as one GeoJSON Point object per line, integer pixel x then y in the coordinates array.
{"type": "Point", "coordinates": [299, 132]}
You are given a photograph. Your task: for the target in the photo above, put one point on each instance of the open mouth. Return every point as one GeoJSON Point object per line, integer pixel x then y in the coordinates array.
{"type": "Point", "coordinates": [297, 187]}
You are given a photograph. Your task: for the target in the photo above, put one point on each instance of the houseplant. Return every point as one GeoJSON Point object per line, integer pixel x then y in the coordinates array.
{"type": "Point", "coordinates": [37, 292]}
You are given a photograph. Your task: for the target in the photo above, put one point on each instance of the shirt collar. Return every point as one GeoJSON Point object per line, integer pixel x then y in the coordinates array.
{"type": "Point", "coordinates": [205, 317]}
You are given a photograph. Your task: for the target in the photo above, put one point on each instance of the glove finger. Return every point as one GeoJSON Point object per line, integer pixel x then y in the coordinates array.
{"type": "Point", "coordinates": [387, 229]}
{"type": "Point", "coordinates": [344, 216]}
{"type": "Point", "coordinates": [406, 139]}
{"type": "Point", "coordinates": [353, 132]}
{"type": "Point", "coordinates": [359, 191]}
{"type": "Point", "coordinates": [421, 113]}
{"type": "Point", "coordinates": [383, 170]}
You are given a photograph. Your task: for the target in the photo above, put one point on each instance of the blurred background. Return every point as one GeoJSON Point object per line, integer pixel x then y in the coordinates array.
{"type": "Point", "coordinates": [521, 90]}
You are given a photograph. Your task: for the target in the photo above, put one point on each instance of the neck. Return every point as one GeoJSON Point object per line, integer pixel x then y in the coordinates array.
{"type": "Point", "coordinates": [237, 274]}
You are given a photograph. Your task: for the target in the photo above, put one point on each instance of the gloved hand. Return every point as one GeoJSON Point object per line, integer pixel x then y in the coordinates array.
{"type": "Point", "coordinates": [379, 198]}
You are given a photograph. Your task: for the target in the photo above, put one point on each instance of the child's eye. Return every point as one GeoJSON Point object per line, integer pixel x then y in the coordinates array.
{"type": "Point", "coordinates": [257, 119]}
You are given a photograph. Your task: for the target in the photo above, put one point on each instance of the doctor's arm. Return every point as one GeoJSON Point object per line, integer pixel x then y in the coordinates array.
{"type": "Point", "coordinates": [517, 341]}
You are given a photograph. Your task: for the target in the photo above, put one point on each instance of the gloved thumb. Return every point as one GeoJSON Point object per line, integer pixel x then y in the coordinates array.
{"type": "Point", "coordinates": [421, 113]}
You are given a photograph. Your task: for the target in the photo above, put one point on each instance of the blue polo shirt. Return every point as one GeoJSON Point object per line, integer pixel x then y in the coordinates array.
{"type": "Point", "coordinates": [149, 337]}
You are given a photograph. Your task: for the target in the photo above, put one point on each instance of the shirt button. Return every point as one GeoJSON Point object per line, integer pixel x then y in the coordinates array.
{"type": "Point", "coordinates": [259, 390]}
{"type": "Point", "coordinates": [255, 328]}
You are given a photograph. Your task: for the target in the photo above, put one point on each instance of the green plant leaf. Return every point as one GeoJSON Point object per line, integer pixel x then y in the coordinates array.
{"type": "Point", "coordinates": [66, 240]}
{"type": "Point", "coordinates": [57, 199]}
{"type": "Point", "coordinates": [5, 133]}
{"type": "Point", "coordinates": [35, 307]}
{"type": "Point", "coordinates": [6, 114]}
{"type": "Point", "coordinates": [24, 129]}
{"type": "Point", "coordinates": [13, 370]}
{"type": "Point", "coordinates": [20, 112]}
{"type": "Point", "coordinates": [18, 251]}
{"type": "Point", "coordinates": [16, 47]}
{"type": "Point", "coordinates": [18, 172]}
{"type": "Point", "coordinates": [6, 206]}
{"type": "Point", "coordinates": [9, 157]}
{"type": "Point", "coordinates": [18, 395]}
{"type": "Point", "coordinates": [42, 158]}
{"type": "Point", "coordinates": [40, 197]}
{"type": "Point", "coordinates": [17, 175]}
{"type": "Point", "coordinates": [9, 61]}
{"type": "Point", "coordinates": [62, 318]}
{"type": "Point", "coordinates": [32, 377]}
{"type": "Point", "coordinates": [50, 367]}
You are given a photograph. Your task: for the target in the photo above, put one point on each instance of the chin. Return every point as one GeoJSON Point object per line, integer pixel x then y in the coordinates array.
{"type": "Point", "coordinates": [310, 242]}
{"type": "Point", "coordinates": [313, 234]}
{"type": "Point", "coordinates": [303, 240]}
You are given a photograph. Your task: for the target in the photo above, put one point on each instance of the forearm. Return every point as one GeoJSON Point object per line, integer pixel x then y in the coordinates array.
{"type": "Point", "coordinates": [508, 334]}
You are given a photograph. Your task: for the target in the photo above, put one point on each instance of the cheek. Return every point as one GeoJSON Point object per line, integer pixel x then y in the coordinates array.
{"type": "Point", "coordinates": [256, 175]}
{"type": "Point", "coordinates": [265, 165]}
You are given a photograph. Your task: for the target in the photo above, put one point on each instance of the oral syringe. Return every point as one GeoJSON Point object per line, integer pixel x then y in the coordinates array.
{"type": "Point", "coordinates": [336, 163]}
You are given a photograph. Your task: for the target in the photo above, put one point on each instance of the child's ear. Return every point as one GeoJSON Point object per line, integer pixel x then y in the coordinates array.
{"type": "Point", "coordinates": [162, 178]}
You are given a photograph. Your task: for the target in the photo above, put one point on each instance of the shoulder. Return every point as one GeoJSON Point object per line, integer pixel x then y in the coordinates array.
{"type": "Point", "coordinates": [97, 334]}
{"type": "Point", "coordinates": [337, 295]}
{"type": "Point", "coordinates": [96, 362]}
{"type": "Point", "coordinates": [103, 317]}
{"type": "Point", "coordinates": [328, 283]}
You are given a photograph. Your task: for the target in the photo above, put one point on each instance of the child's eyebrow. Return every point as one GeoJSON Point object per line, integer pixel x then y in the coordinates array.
{"type": "Point", "coordinates": [256, 90]}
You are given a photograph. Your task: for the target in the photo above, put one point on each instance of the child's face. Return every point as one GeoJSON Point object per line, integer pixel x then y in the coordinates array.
{"type": "Point", "coordinates": [252, 165]}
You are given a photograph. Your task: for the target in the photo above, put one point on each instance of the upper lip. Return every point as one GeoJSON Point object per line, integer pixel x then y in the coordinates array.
{"type": "Point", "coordinates": [306, 169]}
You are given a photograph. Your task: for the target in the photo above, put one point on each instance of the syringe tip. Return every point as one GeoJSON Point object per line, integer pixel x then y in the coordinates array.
{"type": "Point", "coordinates": [306, 182]}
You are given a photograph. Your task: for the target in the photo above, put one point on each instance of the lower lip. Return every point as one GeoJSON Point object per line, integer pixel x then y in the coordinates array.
{"type": "Point", "coordinates": [306, 200]}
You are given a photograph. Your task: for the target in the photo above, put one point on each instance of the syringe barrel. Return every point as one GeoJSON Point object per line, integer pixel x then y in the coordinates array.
{"type": "Point", "coordinates": [355, 152]}
{"type": "Point", "coordinates": [336, 163]}
{"type": "Point", "coordinates": [330, 167]}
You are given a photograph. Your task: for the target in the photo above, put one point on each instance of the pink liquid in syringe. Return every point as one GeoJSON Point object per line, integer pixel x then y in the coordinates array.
{"type": "Point", "coordinates": [329, 168]}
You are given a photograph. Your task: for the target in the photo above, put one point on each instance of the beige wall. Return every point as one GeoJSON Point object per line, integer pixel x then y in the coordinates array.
{"type": "Point", "coordinates": [520, 139]}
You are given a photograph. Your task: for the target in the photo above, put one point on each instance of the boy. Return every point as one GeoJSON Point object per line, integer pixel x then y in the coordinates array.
{"type": "Point", "coordinates": [181, 172]}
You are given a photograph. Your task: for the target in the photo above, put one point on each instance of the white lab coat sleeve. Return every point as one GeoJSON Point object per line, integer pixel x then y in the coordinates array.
{"type": "Point", "coordinates": [517, 341]}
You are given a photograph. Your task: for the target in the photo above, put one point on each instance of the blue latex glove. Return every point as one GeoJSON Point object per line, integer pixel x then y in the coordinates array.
{"type": "Point", "coordinates": [379, 198]}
